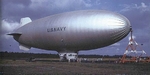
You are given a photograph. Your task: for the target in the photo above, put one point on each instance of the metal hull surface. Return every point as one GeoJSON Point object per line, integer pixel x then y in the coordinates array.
{"type": "Point", "coordinates": [74, 31]}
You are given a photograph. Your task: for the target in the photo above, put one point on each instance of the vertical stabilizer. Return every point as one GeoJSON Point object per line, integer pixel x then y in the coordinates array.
{"type": "Point", "coordinates": [24, 47]}
{"type": "Point", "coordinates": [25, 20]}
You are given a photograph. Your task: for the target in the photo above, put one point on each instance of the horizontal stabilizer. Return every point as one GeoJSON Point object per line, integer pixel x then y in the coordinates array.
{"type": "Point", "coordinates": [14, 33]}
{"type": "Point", "coordinates": [24, 47]}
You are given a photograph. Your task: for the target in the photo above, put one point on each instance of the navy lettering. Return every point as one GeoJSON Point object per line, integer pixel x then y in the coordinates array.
{"type": "Point", "coordinates": [56, 29]}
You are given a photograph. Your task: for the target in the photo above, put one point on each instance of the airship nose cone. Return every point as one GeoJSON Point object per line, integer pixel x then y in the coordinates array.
{"type": "Point", "coordinates": [121, 27]}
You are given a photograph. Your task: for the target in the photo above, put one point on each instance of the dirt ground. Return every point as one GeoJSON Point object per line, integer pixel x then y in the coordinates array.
{"type": "Point", "coordinates": [22, 67]}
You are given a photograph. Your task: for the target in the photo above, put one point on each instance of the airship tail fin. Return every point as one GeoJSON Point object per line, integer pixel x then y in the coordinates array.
{"type": "Point", "coordinates": [25, 20]}
{"type": "Point", "coordinates": [14, 33]}
{"type": "Point", "coordinates": [24, 47]}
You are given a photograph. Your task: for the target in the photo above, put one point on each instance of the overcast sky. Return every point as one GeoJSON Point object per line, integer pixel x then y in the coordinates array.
{"type": "Point", "coordinates": [137, 11]}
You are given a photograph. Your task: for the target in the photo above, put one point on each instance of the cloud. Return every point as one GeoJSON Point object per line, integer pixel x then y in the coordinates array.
{"type": "Point", "coordinates": [8, 26]}
{"type": "Point", "coordinates": [35, 9]}
{"type": "Point", "coordinates": [138, 15]}
{"type": "Point", "coordinates": [142, 7]}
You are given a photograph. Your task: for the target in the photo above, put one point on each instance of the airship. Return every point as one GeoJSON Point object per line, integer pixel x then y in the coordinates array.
{"type": "Point", "coordinates": [69, 32]}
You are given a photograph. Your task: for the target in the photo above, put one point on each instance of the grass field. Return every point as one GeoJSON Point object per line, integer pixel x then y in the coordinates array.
{"type": "Point", "coordinates": [22, 67]}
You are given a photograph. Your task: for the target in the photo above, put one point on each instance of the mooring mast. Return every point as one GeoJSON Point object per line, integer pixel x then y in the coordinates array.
{"type": "Point", "coordinates": [132, 48]}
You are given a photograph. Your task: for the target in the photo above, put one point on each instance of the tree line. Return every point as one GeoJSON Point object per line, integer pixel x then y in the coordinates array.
{"type": "Point", "coordinates": [17, 55]}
